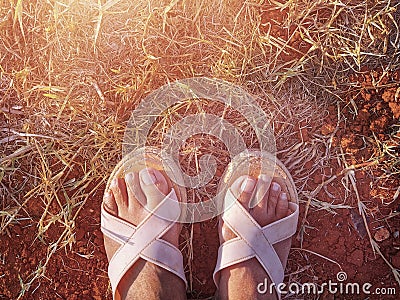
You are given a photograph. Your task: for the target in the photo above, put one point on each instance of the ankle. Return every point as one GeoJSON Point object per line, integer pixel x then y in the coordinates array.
{"type": "Point", "coordinates": [149, 281]}
{"type": "Point", "coordinates": [241, 280]}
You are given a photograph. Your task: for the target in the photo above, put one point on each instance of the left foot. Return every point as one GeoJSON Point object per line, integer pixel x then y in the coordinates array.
{"type": "Point", "coordinates": [240, 281]}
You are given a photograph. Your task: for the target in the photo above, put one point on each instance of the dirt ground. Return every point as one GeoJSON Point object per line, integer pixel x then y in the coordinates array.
{"type": "Point", "coordinates": [330, 239]}
{"type": "Point", "coordinates": [339, 236]}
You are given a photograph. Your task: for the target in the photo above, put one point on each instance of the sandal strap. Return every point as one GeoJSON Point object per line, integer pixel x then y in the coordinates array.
{"type": "Point", "coordinates": [283, 228]}
{"type": "Point", "coordinates": [143, 241]}
{"type": "Point", "coordinates": [253, 240]}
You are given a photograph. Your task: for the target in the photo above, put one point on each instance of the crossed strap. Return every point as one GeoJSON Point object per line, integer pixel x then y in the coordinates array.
{"type": "Point", "coordinates": [253, 240]}
{"type": "Point", "coordinates": [143, 241]}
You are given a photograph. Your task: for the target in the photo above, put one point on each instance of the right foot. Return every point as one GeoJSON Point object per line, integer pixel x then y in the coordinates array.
{"type": "Point", "coordinates": [240, 281]}
{"type": "Point", "coordinates": [144, 280]}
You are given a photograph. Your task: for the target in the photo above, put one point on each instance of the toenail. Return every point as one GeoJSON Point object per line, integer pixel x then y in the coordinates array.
{"type": "Point", "coordinates": [284, 196]}
{"type": "Point", "coordinates": [129, 177]}
{"type": "Point", "coordinates": [275, 186]}
{"type": "Point", "coordinates": [147, 177]}
{"type": "Point", "coordinates": [113, 183]}
{"type": "Point", "coordinates": [247, 185]}
{"type": "Point", "coordinates": [263, 177]}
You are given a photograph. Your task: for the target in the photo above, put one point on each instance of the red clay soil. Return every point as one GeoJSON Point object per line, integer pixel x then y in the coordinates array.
{"type": "Point", "coordinates": [340, 236]}
{"type": "Point", "coordinates": [273, 25]}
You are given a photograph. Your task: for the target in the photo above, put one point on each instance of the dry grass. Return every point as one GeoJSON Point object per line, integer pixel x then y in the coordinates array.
{"type": "Point", "coordinates": [72, 71]}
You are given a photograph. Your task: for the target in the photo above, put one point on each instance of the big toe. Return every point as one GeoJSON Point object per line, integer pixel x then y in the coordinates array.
{"type": "Point", "coordinates": [109, 203]}
{"type": "Point", "coordinates": [154, 186]}
{"type": "Point", "coordinates": [243, 188]}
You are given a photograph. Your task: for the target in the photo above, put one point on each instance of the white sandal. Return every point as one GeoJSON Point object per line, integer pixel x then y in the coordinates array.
{"type": "Point", "coordinates": [253, 240]}
{"type": "Point", "coordinates": [144, 240]}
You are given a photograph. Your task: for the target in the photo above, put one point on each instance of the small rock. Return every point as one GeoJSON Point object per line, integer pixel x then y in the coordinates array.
{"type": "Point", "coordinates": [80, 233]}
{"type": "Point", "coordinates": [381, 234]}
{"type": "Point", "coordinates": [317, 178]}
{"type": "Point", "coordinates": [389, 95]}
{"type": "Point", "coordinates": [395, 109]}
{"type": "Point", "coordinates": [25, 253]}
{"type": "Point", "coordinates": [327, 129]}
{"type": "Point", "coordinates": [360, 174]}
{"type": "Point", "coordinates": [341, 251]}
{"type": "Point", "coordinates": [396, 260]}
{"type": "Point", "coordinates": [356, 258]}
{"type": "Point", "coordinates": [358, 223]}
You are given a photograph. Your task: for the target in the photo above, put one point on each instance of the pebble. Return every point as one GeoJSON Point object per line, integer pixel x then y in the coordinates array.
{"type": "Point", "coordinates": [356, 258]}
{"type": "Point", "coordinates": [396, 261]}
{"type": "Point", "coordinates": [381, 234]}
{"type": "Point", "coordinates": [327, 129]}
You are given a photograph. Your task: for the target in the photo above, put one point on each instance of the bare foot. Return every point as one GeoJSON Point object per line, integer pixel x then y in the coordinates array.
{"type": "Point", "coordinates": [144, 280]}
{"type": "Point", "coordinates": [240, 281]}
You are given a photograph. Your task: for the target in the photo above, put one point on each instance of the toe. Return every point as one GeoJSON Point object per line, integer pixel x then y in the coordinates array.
{"type": "Point", "coordinates": [135, 193]}
{"type": "Point", "coordinates": [243, 189]}
{"type": "Point", "coordinates": [118, 189]}
{"type": "Point", "coordinates": [282, 207]}
{"type": "Point", "coordinates": [109, 203]}
{"type": "Point", "coordinates": [261, 198]}
{"type": "Point", "coordinates": [274, 192]}
{"type": "Point", "coordinates": [260, 201]}
{"type": "Point", "coordinates": [137, 199]}
{"type": "Point", "coordinates": [154, 186]}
